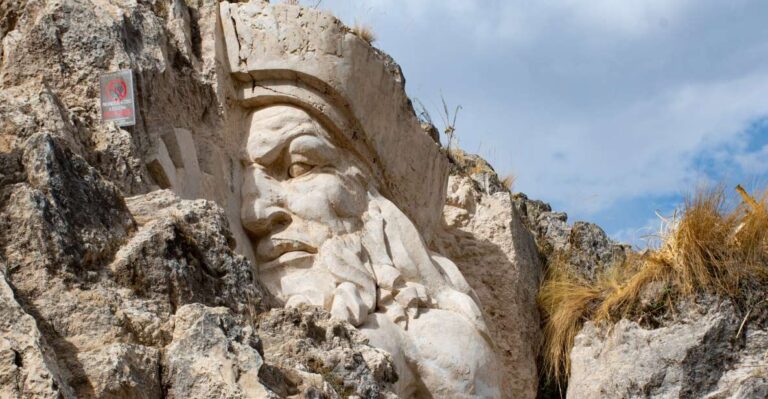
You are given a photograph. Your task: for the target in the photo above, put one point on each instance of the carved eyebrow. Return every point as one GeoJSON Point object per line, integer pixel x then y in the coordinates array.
{"type": "Point", "coordinates": [266, 148]}
{"type": "Point", "coordinates": [314, 147]}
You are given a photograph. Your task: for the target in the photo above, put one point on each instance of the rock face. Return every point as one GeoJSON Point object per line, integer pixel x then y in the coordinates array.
{"type": "Point", "coordinates": [583, 245]}
{"type": "Point", "coordinates": [707, 352]}
{"type": "Point", "coordinates": [498, 256]}
{"type": "Point", "coordinates": [144, 300]}
{"type": "Point", "coordinates": [272, 226]}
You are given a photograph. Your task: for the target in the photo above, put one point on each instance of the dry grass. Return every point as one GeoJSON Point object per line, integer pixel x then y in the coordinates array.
{"type": "Point", "coordinates": [458, 155]}
{"type": "Point", "coordinates": [364, 32]}
{"type": "Point", "coordinates": [566, 299]}
{"type": "Point", "coordinates": [508, 181]}
{"type": "Point", "coordinates": [706, 248]}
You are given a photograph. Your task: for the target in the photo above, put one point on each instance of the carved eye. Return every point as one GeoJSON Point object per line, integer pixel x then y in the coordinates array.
{"type": "Point", "coordinates": [298, 168]}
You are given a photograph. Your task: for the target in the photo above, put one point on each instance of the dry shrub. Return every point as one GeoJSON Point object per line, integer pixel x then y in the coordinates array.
{"type": "Point", "coordinates": [508, 181]}
{"type": "Point", "coordinates": [364, 32]}
{"type": "Point", "coordinates": [566, 298]}
{"type": "Point", "coordinates": [458, 156]}
{"type": "Point", "coordinates": [707, 248]}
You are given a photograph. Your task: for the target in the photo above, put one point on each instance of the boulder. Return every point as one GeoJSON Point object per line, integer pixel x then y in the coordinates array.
{"type": "Point", "coordinates": [707, 351]}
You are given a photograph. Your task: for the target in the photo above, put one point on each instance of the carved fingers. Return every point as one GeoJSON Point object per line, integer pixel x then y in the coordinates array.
{"type": "Point", "coordinates": [348, 304]}
{"type": "Point", "coordinates": [355, 295]}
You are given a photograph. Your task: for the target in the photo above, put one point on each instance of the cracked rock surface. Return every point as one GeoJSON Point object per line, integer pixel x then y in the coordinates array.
{"type": "Point", "coordinates": [144, 297]}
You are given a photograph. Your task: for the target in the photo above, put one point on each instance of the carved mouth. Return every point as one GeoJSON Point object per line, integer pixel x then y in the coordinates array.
{"type": "Point", "coordinates": [283, 252]}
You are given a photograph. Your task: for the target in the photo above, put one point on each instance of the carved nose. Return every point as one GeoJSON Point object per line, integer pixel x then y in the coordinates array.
{"type": "Point", "coordinates": [261, 218]}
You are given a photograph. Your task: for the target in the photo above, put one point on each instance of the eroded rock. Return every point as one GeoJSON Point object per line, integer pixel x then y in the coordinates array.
{"type": "Point", "coordinates": [498, 256]}
{"type": "Point", "coordinates": [705, 352]}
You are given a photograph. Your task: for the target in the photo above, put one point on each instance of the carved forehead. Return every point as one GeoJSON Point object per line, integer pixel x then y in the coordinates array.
{"type": "Point", "coordinates": [273, 127]}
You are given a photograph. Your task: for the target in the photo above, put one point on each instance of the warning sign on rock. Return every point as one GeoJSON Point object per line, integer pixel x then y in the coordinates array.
{"type": "Point", "coordinates": [117, 99]}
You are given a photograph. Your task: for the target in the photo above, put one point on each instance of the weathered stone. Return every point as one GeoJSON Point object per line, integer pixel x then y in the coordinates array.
{"type": "Point", "coordinates": [54, 206]}
{"type": "Point", "coordinates": [307, 339]}
{"type": "Point", "coordinates": [584, 246]}
{"type": "Point", "coordinates": [699, 354]}
{"type": "Point", "coordinates": [27, 365]}
{"type": "Point", "coordinates": [498, 256]}
{"type": "Point", "coordinates": [212, 355]}
{"type": "Point", "coordinates": [123, 371]}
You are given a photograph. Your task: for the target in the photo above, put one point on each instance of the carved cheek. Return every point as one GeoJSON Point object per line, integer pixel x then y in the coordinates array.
{"type": "Point", "coordinates": [327, 198]}
{"type": "Point", "coordinates": [257, 186]}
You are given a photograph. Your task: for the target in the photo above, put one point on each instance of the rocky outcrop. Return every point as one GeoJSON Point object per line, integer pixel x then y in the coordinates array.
{"type": "Point", "coordinates": [710, 350]}
{"type": "Point", "coordinates": [311, 352]}
{"type": "Point", "coordinates": [123, 251]}
{"type": "Point", "coordinates": [145, 298]}
{"type": "Point", "coordinates": [135, 261]}
{"type": "Point", "coordinates": [583, 245]}
{"type": "Point", "coordinates": [492, 248]}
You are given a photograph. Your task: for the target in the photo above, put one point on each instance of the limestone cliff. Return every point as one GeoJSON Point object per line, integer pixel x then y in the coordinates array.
{"type": "Point", "coordinates": [132, 260]}
{"type": "Point", "coordinates": [110, 288]}
{"type": "Point", "coordinates": [278, 224]}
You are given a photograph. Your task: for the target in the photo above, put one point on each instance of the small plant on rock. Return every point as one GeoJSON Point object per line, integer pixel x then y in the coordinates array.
{"type": "Point", "coordinates": [364, 32]}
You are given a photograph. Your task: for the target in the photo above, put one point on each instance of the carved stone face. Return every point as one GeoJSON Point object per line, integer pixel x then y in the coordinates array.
{"type": "Point", "coordinates": [300, 191]}
{"type": "Point", "coordinates": [323, 235]}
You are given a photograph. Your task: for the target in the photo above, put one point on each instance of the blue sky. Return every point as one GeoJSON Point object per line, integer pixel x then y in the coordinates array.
{"type": "Point", "coordinates": [610, 110]}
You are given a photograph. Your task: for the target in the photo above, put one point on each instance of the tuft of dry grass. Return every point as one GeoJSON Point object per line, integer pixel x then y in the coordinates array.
{"type": "Point", "coordinates": [706, 248]}
{"type": "Point", "coordinates": [458, 156]}
{"type": "Point", "coordinates": [566, 299]}
{"type": "Point", "coordinates": [364, 32]}
{"type": "Point", "coordinates": [508, 181]}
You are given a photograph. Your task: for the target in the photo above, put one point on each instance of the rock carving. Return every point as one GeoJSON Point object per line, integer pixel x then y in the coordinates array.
{"type": "Point", "coordinates": [323, 187]}
{"type": "Point", "coordinates": [323, 235]}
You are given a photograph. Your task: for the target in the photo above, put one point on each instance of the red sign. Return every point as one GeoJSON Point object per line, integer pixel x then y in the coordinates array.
{"type": "Point", "coordinates": [117, 89]}
{"type": "Point", "coordinates": [117, 98]}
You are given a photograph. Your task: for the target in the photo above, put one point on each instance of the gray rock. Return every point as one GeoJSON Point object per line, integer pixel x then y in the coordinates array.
{"type": "Point", "coordinates": [100, 299]}
{"type": "Point", "coordinates": [212, 355]}
{"type": "Point", "coordinates": [304, 344]}
{"type": "Point", "coordinates": [498, 257]}
{"type": "Point", "coordinates": [27, 365]}
{"type": "Point", "coordinates": [697, 355]}
{"type": "Point", "coordinates": [585, 246]}
{"type": "Point", "coordinates": [124, 371]}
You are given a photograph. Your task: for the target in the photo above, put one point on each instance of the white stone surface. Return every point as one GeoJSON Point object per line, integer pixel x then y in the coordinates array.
{"type": "Point", "coordinates": [321, 231]}
{"type": "Point", "coordinates": [498, 257]}
{"type": "Point", "coordinates": [699, 355]}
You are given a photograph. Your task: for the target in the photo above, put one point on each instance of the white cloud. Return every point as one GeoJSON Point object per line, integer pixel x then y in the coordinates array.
{"type": "Point", "coordinates": [648, 235]}
{"type": "Point", "coordinates": [754, 162]}
{"type": "Point", "coordinates": [624, 17]}
{"type": "Point", "coordinates": [589, 162]}
{"type": "Point", "coordinates": [521, 21]}
{"type": "Point", "coordinates": [590, 103]}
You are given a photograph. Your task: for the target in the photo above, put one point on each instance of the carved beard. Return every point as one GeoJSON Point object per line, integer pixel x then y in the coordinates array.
{"type": "Point", "coordinates": [386, 267]}
{"type": "Point", "coordinates": [382, 265]}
